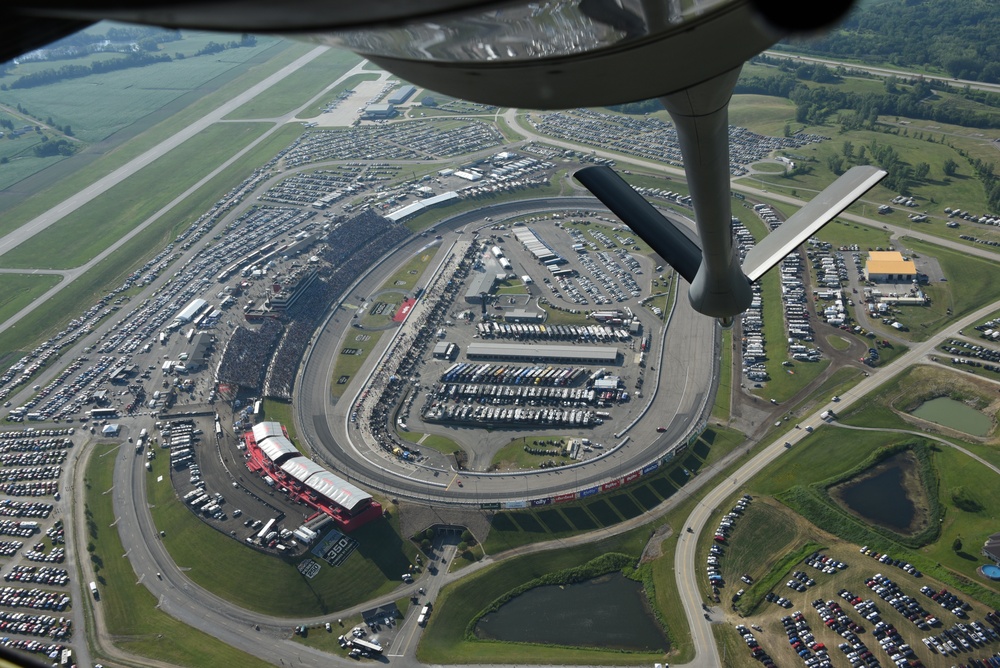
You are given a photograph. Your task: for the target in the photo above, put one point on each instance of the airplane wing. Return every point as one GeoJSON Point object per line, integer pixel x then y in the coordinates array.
{"type": "Point", "coordinates": [805, 222]}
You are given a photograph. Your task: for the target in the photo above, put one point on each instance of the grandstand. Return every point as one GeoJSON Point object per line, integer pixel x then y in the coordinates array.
{"type": "Point", "coordinates": [271, 453]}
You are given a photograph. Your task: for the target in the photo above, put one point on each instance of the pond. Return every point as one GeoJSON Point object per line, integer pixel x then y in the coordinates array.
{"type": "Point", "coordinates": [955, 415]}
{"type": "Point", "coordinates": [880, 497]}
{"type": "Point", "coordinates": [610, 612]}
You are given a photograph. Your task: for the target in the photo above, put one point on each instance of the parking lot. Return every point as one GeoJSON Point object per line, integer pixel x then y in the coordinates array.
{"type": "Point", "coordinates": [863, 609]}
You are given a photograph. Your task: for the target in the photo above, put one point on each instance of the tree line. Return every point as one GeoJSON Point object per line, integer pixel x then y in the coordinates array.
{"type": "Point", "coordinates": [141, 58]}
{"type": "Point", "coordinates": [917, 98]}
{"type": "Point", "coordinates": [48, 76]}
{"type": "Point", "coordinates": [958, 38]}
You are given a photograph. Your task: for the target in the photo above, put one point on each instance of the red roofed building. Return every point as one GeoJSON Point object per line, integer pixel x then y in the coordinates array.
{"type": "Point", "coordinates": [271, 453]}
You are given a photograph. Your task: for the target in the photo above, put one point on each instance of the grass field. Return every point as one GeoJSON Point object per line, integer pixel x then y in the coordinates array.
{"type": "Point", "coordinates": [762, 531]}
{"type": "Point", "coordinates": [83, 234]}
{"type": "Point", "coordinates": [514, 456]}
{"type": "Point", "coordinates": [21, 158]}
{"type": "Point", "coordinates": [785, 381]}
{"type": "Point", "coordinates": [887, 407]}
{"type": "Point", "coordinates": [407, 276]}
{"type": "Point", "coordinates": [19, 290]}
{"type": "Point", "coordinates": [299, 88]}
{"type": "Point", "coordinates": [131, 614]}
{"type": "Point", "coordinates": [845, 233]}
{"type": "Point", "coordinates": [765, 114]}
{"type": "Point", "coordinates": [830, 452]}
{"type": "Point", "coordinates": [514, 528]}
{"type": "Point", "coordinates": [432, 441]}
{"type": "Point", "coordinates": [556, 314]}
{"type": "Point", "coordinates": [836, 383]}
{"type": "Point", "coordinates": [391, 300]}
{"type": "Point", "coordinates": [281, 411]}
{"type": "Point", "coordinates": [859, 569]}
{"type": "Point", "coordinates": [969, 284]}
{"type": "Point", "coordinates": [279, 589]}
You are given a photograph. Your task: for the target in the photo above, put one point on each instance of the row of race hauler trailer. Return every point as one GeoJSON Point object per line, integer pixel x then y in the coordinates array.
{"type": "Point", "coordinates": [507, 374]}
{"type": "Point", "coordinates": [601, 333]}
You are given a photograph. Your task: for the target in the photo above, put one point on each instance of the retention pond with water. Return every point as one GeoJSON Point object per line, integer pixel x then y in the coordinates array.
{"type": "Point", "coordinates": [889, 494]}
{"type": "Point", "coordinates": [610, 612]}
{"type": "Point", "coordinates": [955, 415]}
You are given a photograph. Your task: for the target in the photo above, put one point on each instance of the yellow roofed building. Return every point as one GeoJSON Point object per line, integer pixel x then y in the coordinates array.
{"type": "Point", "coordinates": [889, 267]}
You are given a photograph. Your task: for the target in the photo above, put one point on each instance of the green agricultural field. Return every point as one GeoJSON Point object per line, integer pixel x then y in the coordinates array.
{"type": "Point", "coordinates": [224, 565]}
{"type": "Point", "coordinates": [97, 106]}
{"type": "Point", "coordinates": [20, 290]}
{"type": "Point", "coordinates": [132, 616]}
{"type": "Point", "coordinates": [299, 88]}
{"type": "Point", "coordinates": [86, 232]}
{"type": "Point", "coordinates": [17, 154]}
